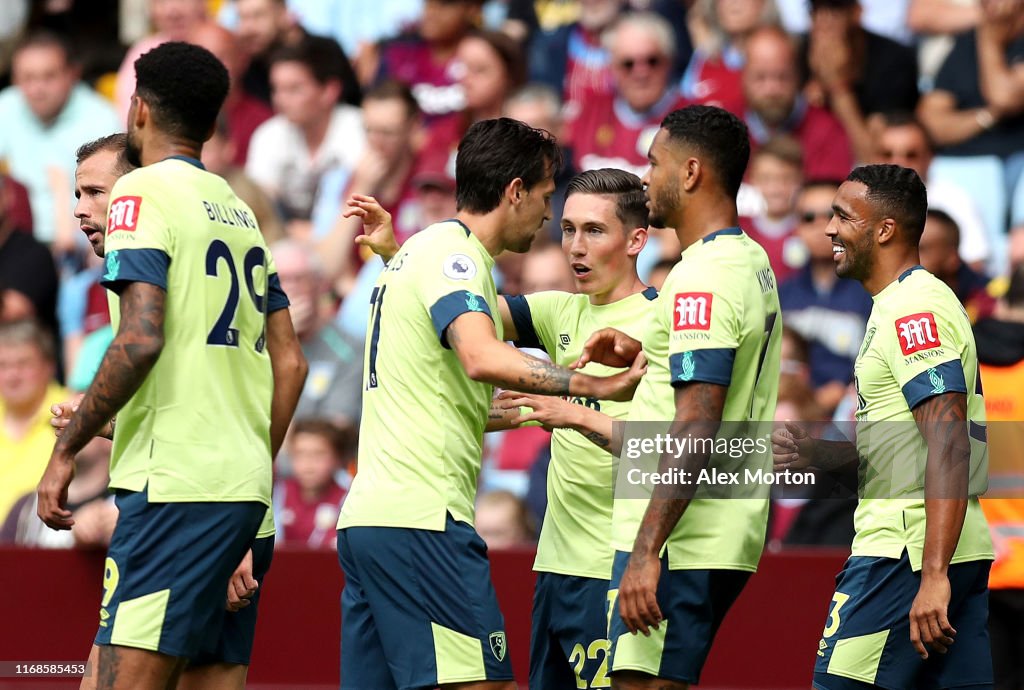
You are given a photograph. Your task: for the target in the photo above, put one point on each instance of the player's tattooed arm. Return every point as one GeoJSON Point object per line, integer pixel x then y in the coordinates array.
{"type": "Point", "coordinates": [130, 357]}
{"type": "Point", "coordinates": [942, 421]}
{"type": "Point", "coordinates": [500, 418]}
{"type": "Point", "coordinates": [489, 360]}
{"type": "Point", "coordinates": [699, 408]}
{"type": "Point", "coordinates": [557, 413]}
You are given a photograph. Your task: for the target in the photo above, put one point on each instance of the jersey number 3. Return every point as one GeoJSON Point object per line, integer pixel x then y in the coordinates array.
{"type": "Point", "coordinates": [223, 332]}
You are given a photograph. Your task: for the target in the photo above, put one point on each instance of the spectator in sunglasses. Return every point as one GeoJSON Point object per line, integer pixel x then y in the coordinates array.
{"type": "Point", "coordinates": [615, 130]}
{"type": "Point", "coordinates": [828, 312]}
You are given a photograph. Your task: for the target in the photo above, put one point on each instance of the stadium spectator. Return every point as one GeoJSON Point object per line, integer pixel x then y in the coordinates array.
{"type": "Point", "coordinates": [1001, 363]}
{"type": "Point", "coordinates": [489, 67]}
{"type": "Point", "coordinates": [88, 500]}
{"type": "Point", "coordinates": [310, 134]}
{"type": "Point", "coordinates": [659, 272]}
{"type": "Point", "coordinates": [857, 72]}
{"type": "Point", "coordinates": [503, 521]}
{"type": "Point", "coordinates": [264, 26]}
{"type": "Point", "coordinates": [713, 76]}
{"type": "Point", "coordinates": [47, 113]}
{"type": "Point", "coordinates": [827, 311]}
{"type": "Point", "coordinates": [975, 116]}
{"type": "Point", "coordinates": [28, 278]}
{"type": "Point", "coordinates": [776, 172]}
{"type": "Point", "coordinates": [386, 171]}
{"type": "Point", "coordinates": [936, 22]}
{"type": "Point", "coordinates": [425, 59]}
{"type": "Point", "coordinates": [172, 20]}
{"type": "Point", "coordinates": [546, 268]}
{"type": "Point", "coordinates": [306, 504]}
{"type": "Point", "coordinates": [219, 158]}
{"type": "Point", "coordinates": [774, 105]}
{"type": "Point", "coordinates": [333, 390]}
{"type": "Point", "coordinates": [539, 106]}
{"type": "Point", "coordinates": [941, 258]}
{"type": "Point", "coordinates": [572, 59]}
{"type": "Point", "coordinates": [244, 113]}
{"type": "Point", "coordinates": [27, 390]}
{"type": "Point", "coordinates": [15, 208]}
{"type": "Point", "coordinates": [615, 129]}
{"type": "Point", "coordinates": [902, 140]}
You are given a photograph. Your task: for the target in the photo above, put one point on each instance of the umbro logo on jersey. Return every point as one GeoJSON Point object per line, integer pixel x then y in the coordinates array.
{"type": "Point", "coordinates": [564, 341]}
{"type": "Point", "coordinates": [692, 311]}
{"type": "Point", "coordinates": [917, 332]}
{"type": "Point", "coordinates": [124, 213]}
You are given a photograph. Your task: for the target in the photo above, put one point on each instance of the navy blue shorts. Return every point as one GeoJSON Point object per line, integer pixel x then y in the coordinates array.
{"type": "Point", "coordinates": [232, 644]}
{"type": "Point", "coordinates": [418, 609]}
{"type": "Point", "coordinates": [167, 569]}
{"type": "Point", "coordinates": [693, 604]}
{"type": "Point", "coordinates": [866, 642]}
{"type": "Point", "coordinates": [569, 642]}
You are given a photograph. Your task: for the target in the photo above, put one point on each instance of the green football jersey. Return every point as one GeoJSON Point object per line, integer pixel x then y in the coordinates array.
{"type": "Point", "coordinates": [717, 321]}
{"type": "Point", "coordinates": [198, 429]}
{"type": "Point", "coordinates": [575, 538]}
{"type": "Point", "coordinates": [421, 434]}
{"type": "Point", "coordinates": [918, 344]}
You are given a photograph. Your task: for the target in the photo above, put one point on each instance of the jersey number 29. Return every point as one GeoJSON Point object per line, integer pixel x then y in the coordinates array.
{"type": "Point", "coordinates": [223, 332]}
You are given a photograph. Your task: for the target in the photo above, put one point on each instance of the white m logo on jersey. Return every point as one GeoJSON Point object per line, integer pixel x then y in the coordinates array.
{"type": "Point", "coordinates": [692, 311]}
{"type": "Point", "coordinates": [917, 332]}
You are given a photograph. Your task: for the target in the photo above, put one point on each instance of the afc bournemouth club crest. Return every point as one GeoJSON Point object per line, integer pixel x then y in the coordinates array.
{"type": "Point", "coordinates": [498, 646]}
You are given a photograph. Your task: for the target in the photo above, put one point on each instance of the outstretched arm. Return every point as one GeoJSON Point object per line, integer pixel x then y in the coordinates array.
{"type": "Point", "coordinates": [290, 368]}
{"type": "Point", "coordinates": [485, 358]}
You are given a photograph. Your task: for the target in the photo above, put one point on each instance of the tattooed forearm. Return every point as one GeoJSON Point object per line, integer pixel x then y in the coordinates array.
{"type": "Point", "coordinates": [598, 439]}
{"type": "Point", "coordinates": [128, 360]}
{"type": "Point", "coordinates": [544, 377]}
{"type": "Point", "coordinates": [698, 414]}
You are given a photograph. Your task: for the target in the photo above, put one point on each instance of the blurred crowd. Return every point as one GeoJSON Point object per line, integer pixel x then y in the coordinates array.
{"type": "Point", "coordinates": [335, 97]}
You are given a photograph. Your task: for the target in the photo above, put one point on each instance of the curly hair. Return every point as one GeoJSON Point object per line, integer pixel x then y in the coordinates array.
{"type": "Point", "coordinates": [184, 86]}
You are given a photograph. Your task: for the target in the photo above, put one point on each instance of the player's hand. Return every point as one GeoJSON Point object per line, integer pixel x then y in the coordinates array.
{"type": "Point", "coordinates": [792, 448]}
{"type": "Point", "coordinates": [609, 347]}
{"type": "Point", "coordinates": [621, 386]}
{"type": "Point", "coordinates": [378, 230]}
{"type": "Point", "coordinates": [52, 492]}
{"type": "Point", "coordinates": [638, 601]}
{"type": "Point", "coordinates": [242, 585]}
{"type": "Point", "coordinates": [929, 626]}
{"type": "Point", "coordinates": [551, 411]}
{"type": "Point", "coordinates": [62, 414]}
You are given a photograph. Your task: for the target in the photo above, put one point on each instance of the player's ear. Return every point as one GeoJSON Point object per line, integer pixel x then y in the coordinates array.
{"type": "Point", "coordinates": [886, 230]}
{"type": "Point", "coordinates": [515, 190]}
{"type": "Point", "coordinates": [636, 239]}
{"type": "Point", "coordinates": [692, 170]}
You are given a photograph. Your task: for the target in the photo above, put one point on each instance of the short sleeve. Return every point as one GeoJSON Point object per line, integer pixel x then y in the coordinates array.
{"type": "Point", "coordinates": [924, 350]}
{"type": "Point", "coordinates": [138, 244]}
{"type": "Point", "coordinates": [704, 331]}
{"type": "Point", "coordinates": [452, 283]}
{"type": "Point", "coordinates": [535, 316]}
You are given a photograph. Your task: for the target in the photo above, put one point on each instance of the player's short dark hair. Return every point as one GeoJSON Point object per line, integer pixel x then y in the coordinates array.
{"type": "Point", "coordinates": [29, 332]}
{"type": "Point", "coordinates": [833, 4]}
{"type": "Point", "coordinates": [116, 142]}
{"type": "Point", "coordinates": [630, 199]}
{"type": "Point", "coordinates": [43, 38]}
{"type": "Point", "coordinates": [495, 152]}
{"type": "Point", "coordinates": [718, 136]}
{"type": "Point", "coordinates": [343, 439]}
{"type": "Point", "coordinates": [394, 90]}
{"type": "Point", "coordinates": [185, 86]}
{"type": "Point", "coordinates": [951, 228]}
{"type": "Point", "coordinates": [896, 193]}
{"type": "Point", "coordinates": [324, 59]}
